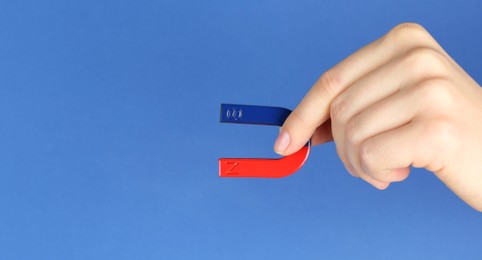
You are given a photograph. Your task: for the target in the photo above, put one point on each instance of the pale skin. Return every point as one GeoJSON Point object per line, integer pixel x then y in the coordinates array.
{"type": "Point", "coordinates": [400, 101]}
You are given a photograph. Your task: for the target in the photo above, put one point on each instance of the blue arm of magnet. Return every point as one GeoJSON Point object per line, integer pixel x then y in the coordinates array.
{"type": "Point", "coordinates": [253, 115]}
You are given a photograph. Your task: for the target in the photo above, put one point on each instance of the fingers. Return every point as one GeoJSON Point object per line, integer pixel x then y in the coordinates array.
{"type": "Point", "coordinates": [390, 113]}
{"type": "Point", "coordinates": [382, 99]}
{"type": "Point", "coordinates": [314, 109]}
{"type": "Point", "coordinates": [323, 134]}
{"type": "Point", "coordinates": [404, 129]}
{"type": "Point", "coordinates": [373, 87]}
{"type": "Point", "coordinates": [388, 156]}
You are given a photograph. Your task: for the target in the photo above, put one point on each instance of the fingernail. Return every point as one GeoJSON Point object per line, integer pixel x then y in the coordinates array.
{"type": "Point", "coordinates": [282, 142]}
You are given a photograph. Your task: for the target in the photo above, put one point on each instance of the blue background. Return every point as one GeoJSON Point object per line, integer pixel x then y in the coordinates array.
{"type": "Point", "coordinates": [109, 133]}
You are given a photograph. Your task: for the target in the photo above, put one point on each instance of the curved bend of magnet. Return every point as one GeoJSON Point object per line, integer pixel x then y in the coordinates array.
{"type": "Point", "coordinates": [259, 167]}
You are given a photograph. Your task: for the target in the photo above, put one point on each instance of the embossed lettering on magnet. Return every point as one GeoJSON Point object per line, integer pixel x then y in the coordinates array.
{"type": "Point", "coordinates": [234, 164]}
{"type": "Point", "coordinates": [234, 113]}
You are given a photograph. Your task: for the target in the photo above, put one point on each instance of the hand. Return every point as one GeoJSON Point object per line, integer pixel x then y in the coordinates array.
{"type": "Point", "coordinates": [400, 101]}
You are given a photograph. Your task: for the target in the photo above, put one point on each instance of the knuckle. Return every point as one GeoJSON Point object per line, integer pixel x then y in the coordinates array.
{"type": "Point", "coordinates": [442, 134]}
{"type": "Point", "coordinates": [437, 96]}
{"type": "Point", "coordinates": [407, 31]}
{"type": "Point", "coordinates": [408, 27]}
{"type": "Point", "coordinates": [329, 83]}
{"type": "Point", "coordinates": [406, 34]}
{"type": "Point", "coordinates": [426, 61]}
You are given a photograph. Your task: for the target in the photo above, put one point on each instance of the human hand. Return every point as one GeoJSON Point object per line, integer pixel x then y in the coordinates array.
{"type": "Point", "coordinates": [400, 101]}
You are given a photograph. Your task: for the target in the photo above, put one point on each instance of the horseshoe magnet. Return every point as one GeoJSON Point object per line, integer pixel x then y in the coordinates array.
{"type": "Point", "coordinates": [259, 167]}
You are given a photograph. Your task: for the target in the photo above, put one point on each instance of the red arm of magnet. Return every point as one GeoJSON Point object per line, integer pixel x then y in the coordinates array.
{"type": "Point", "coordinates": [263, 168]}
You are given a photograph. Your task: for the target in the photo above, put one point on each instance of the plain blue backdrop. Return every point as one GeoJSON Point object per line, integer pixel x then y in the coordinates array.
{"type": "Point", "coordinates": [109, 132]}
